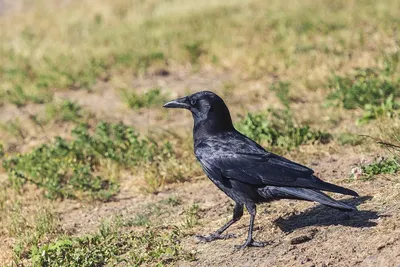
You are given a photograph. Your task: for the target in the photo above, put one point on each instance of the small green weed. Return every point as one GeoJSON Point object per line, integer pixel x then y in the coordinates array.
{"type": "Point", "coordinates": [278, 129]}
{"type": "Point", "coordinates": [195, 51]}
{"type": "Point", "coordinates": [151, 98]}
{"type": "Point", "coordinates": [389, 108]}
{"type": "Point", "coordinates": [281, 90]}
{"type": "Point", "coordinates": [349, 139]}
{"type": "Point", "coordinates": [173, 201]}
{"type": "Point", "coordinates": [65, 111]}
{"type": "Point", "coordinates": [140, 220]}
{"type": "Point", "coordinates": [191, 216]}
{"type": "Point", "coordinates": [382, 166]}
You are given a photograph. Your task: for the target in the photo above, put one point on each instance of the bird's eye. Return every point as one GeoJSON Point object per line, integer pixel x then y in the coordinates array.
{"type": "Point", "coordinates": [193, 101]}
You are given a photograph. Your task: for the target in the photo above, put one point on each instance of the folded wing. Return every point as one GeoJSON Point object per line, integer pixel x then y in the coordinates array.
{"type": "Point", "coordinates": [261, 169]}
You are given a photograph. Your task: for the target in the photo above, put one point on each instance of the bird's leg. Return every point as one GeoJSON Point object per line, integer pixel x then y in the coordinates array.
{"type": "Point", "coordinates": [250, 242]}
{"type": "Point", "coordinates": [237, 214]}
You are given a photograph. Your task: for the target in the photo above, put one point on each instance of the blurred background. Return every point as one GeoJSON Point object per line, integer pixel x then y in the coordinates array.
{"type": "Point", "coordinates": [82, 128]}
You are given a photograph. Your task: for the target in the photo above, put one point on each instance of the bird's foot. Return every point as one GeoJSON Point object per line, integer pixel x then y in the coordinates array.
{"type": "Point", "coordinates": [251, 243]}
{"type": "Point", "coordinates": [214, 236]}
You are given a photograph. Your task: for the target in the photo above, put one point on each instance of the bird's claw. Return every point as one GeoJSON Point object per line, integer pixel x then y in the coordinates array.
{"type": "Point", "coordinates": [212, 237]}
{"type": "Point", "coordinates": [252, 243]}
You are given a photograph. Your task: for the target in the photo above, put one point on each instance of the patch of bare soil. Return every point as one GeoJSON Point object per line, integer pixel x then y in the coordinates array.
{"type": "Point", "coordinates": [298, 233]}
{"type": "Point", "coordinates": [22, 132]}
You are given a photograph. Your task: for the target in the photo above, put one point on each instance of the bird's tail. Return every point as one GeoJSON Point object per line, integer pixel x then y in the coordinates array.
{"type": "Point", "coordinates": [324, 186]}
{"type": "Point", "coordinates": [305, 194]}
{"type": "Point", "coordinates": [321, 185]}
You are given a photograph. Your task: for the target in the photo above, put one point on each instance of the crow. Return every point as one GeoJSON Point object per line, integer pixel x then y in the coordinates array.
{"type": "Point", "coordinates": [244, 170]}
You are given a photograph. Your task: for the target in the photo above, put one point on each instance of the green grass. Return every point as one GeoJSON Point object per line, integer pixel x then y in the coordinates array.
{"type": "Point", "coordinates": [62, 112]}
{"type": "Point", "coordinates": [21, 97]}
{"type": "Point", "coordinates": [366, 86]}
{"type": "Point", "coordinates": [173, 201]}
{"type": "Point", "coordinates": [195, 51]}
{"type": "Point", "coordinates": [88, 166]}
{"type": "Point", "coordinates": [373, 90]}
{"type": "Point", "coordinates": [29, 232]}
{"type": "Point", "coordinates": [349, 139]}
{"type": "Point", "coordinates": [143, 239]}
{"type": "Point", "coordinates": [389, 108]}
{"type": "Point", "coordinates": [2, 152]}
{"type": "Point", "coordinates": [72, 169]}
{"type": "Point", "coordinates": [191, 216]}
{"type": "Point", "coordinates": [382, 166]}
{"type": "Point", "coordinates": [113, 245]}
{"type": "Point", "coordinates": [281, 90]}
{"type": "Point", "coordinates": [277, 129]}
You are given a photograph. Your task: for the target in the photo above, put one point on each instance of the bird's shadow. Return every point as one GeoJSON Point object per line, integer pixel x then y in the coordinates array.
{"type": "Point", "coordinates": [324, 216]}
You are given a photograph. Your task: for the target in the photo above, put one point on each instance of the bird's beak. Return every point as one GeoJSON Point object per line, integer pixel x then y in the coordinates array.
{"type": "Point", "coordinates": [178, 103]}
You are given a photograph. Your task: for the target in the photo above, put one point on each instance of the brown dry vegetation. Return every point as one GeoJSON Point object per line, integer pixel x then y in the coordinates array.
{"type": "Point", "coordinates": [65, 64]}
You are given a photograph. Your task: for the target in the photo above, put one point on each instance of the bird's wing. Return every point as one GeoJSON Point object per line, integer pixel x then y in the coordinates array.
{"type": "Point", "coordinates": [239, 158]}
{"type": "Point", "coordinates": [253, 168]}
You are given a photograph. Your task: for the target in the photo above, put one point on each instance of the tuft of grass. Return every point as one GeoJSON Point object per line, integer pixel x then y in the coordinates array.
{"type": "Point", "coordinates": [173, 201]}
{"type": "Point", "coordinates": [113, 245]}
{"type": "Point", "coordinates": [366, 86]}
{"type": "Point", "coordinates": [195, 51]}
{"type": "Point", "coordinates": [151, 98]}
{"type": "Point", "coordinates": [372, 90]}
{"type": "Point", "coordinates": [14, 128]}
{"type": "Point", "coordinates": [277, 128]}
{"type": "Point", "coordinates": [349, 139]}
{"type": "Point", "coordinates": [191, 216]}
{"type": "Point", "coordinates": [390, 108]}
{"type": "Point", "coordinates": [281, 90]}
{"type": "Point", "coordinates": [381, 166]}
{"type": "Point", "coordinates": [65, 111]}
{"type": "Point", "coordinates": [29, 232]}
{"type": "Point", "coordinates": [2, 152]}
{"type": "Point", "coordinates": [20, 97]}
{"type": "Point", "coordinates": [140, 220]}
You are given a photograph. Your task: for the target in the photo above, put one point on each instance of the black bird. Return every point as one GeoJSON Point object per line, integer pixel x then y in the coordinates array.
{"type": "Point", "coordinates": [244, 170]}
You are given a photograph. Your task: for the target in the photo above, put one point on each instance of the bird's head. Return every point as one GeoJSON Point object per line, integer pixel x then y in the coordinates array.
{"type": "Point", "coordinates": [208, 109]}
